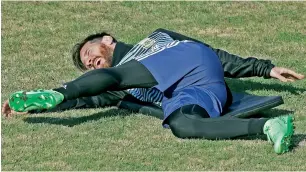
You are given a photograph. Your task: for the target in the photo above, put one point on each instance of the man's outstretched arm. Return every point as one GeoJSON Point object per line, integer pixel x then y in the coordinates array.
{"type": "Point", "coordinates": [236, 67]}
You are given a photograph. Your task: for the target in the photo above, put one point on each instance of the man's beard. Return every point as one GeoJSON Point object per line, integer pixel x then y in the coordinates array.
{"type": "Point", "coordinates": [107, 54]}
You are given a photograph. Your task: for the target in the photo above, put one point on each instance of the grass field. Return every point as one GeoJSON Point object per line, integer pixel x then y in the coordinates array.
{"type": "Point", "coordinates": [37, 38]}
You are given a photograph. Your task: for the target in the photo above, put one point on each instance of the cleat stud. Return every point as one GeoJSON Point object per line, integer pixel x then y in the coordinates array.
{"type": "Point", "coordinates": [42, 97]}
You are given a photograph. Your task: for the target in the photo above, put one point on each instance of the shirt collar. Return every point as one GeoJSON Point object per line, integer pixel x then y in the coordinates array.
{"type": "Point", "coordinates": [121, 49]}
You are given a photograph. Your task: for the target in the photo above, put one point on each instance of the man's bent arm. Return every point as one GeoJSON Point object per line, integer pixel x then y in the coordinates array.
{"type": "Point", "coordinates": [234, 66]}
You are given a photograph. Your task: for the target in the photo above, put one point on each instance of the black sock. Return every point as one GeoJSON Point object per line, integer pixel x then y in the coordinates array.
{"type": "Point", "coordinates": [256, 125]}
{"type": "Point", "coordinates": [71, 92]}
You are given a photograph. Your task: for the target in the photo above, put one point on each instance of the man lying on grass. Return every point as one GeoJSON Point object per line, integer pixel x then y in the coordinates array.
{"type": "Point", "coordinates": [233, 66]}
{"type": "Point", "coordinates": [186, 76]}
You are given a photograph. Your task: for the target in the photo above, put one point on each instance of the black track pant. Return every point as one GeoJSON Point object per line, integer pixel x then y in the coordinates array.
{"type": "Point", "coordinates": [191, 121]}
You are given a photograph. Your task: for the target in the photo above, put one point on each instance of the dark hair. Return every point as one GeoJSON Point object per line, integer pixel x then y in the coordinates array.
{"type": "Point", "coordinates": [77, 48]}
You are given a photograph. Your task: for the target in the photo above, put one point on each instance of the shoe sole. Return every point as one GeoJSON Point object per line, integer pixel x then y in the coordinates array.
{"type": "Point", "coordinates": [23, 101]}
{"type": "Point", "coordinates": [283, 144]}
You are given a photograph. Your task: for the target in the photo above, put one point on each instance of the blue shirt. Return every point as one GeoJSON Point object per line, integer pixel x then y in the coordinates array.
{"type": "Point", "coordinates": [188, 73]}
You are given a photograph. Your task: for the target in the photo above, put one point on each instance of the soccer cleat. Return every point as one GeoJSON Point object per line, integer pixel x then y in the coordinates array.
{"type": "Point", "coordinates": [279, 131]}
{"type": "Point", "coordinates": [23, 101]}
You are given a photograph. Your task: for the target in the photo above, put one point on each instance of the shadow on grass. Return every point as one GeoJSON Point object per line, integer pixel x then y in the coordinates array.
{"type": "Point", "coordinates": [241, 85]}
{"type": "Point", "coordinates": [271, 113]}
{"type": "Point", "coordinates": [298, 140]}
{"type": "Point", "coordinates": [72, 121]}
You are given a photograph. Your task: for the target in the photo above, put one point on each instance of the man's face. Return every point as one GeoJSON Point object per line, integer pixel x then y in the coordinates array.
{"type": "Point", "coordinates": [97, 54]}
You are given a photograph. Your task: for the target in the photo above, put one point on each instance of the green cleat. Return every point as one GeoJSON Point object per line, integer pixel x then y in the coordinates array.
{"type": "Point", "coordinates": [279, 131]}
{"type": "Point", "coordinates": [23, 101]}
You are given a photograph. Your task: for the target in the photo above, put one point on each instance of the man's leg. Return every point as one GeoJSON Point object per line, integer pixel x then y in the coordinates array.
{"type": "Point", "coordinates": [129, 75]}
{"type": "Point", "coordinates": [192, 121]}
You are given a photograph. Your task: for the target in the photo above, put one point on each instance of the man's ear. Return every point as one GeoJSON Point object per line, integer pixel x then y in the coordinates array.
{"type": "Point", "coordinates": [107, 40]}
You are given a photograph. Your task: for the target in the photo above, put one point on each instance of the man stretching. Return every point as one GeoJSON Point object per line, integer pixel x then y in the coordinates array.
{"type": "Point", "coordinates": [233, 66]}
{"type": "Point", "coordinates": [190, 77]}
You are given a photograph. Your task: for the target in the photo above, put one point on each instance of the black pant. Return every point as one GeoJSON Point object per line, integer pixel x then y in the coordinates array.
{"type": "Point", "coordinates": [191, 121]}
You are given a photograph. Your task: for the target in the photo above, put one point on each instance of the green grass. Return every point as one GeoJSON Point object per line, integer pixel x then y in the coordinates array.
{"type": "Point", "coordinates": [36, 41]}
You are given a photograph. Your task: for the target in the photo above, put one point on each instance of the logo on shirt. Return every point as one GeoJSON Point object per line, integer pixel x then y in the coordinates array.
{"type": "Point", "coordinates": [147, 43]}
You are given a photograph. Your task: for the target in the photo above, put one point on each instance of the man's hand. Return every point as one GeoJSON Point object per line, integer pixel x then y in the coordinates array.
{"type": "Point", "coordinates": [285, 75]}
{"type": "Point", "coordinates": [8, 112]}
